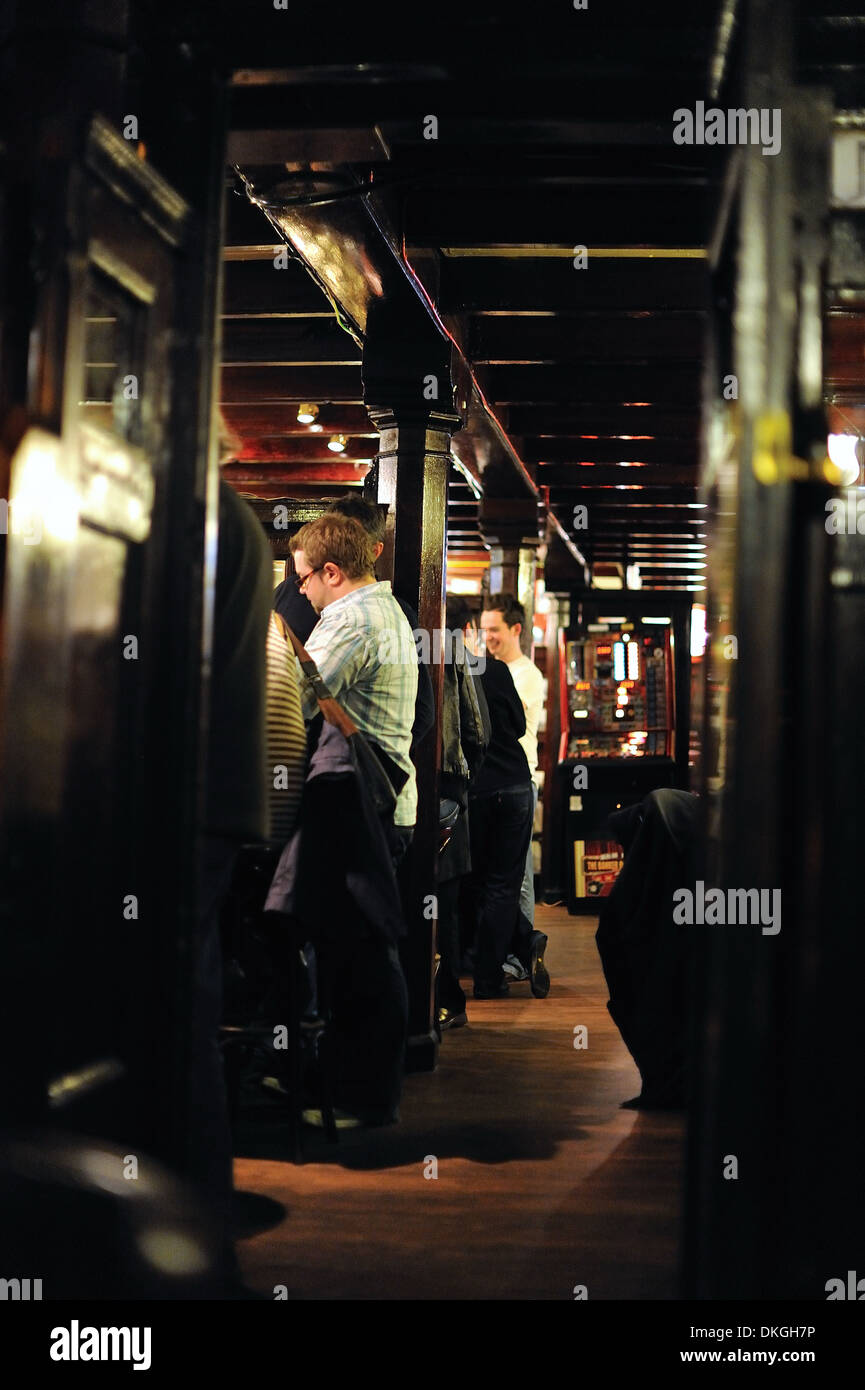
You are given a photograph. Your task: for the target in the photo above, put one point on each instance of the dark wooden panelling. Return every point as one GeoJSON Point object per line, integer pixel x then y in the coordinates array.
{"type": "Point", "coordinates": [571, 451]}
{"type": "Point", "coordinates": [279, 419]}
{"type": "Point", "coordinates": [559, 216]}
{"type": "Point", "coordinates": [563, 476]}
{"type": "Point", "coordinates": [259, 287]}
{"type": "Point", "coordinates": [605, 385]}
{"type": "Point", "coordinates": [296, 341]}
{"type": "Point", "coordinates": [312, 452]}
{"type": "Point", "coordinates": [248, 385]}
{"type": "Point", "coordinates": [575, 419]}
{"type": "Point", "coordinates": [251, 471]}
{"type": "Point", "coordinates": [474, 283]}
{"type": "Point", "coordinates": [570, 338]}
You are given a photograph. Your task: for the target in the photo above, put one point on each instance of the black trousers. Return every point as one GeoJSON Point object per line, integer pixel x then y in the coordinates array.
{"type": "Point", "coordinates": [209, 1146]}
{"type": "Point", "coordinates": [501, 828]}
{"type": "Point", "coordinates": [449, 992]}
{"type": "Point", "coordinates": [361, 979]}
{"type": "Point", "coordinates": [362, 986]}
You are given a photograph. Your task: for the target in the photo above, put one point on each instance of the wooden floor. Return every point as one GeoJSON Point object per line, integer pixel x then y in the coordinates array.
{"type": "Point", "coordinates": [544, 1183]}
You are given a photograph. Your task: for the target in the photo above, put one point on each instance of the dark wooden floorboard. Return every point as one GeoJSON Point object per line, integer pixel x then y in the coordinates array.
{"type": "Point", "coordinates": [543, 1181]}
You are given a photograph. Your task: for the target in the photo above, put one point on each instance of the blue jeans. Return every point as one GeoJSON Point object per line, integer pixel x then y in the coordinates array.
{"type": "Point", "coordinates": [501, 829]}
{"type": "Point", "coordinates": [526, 922]}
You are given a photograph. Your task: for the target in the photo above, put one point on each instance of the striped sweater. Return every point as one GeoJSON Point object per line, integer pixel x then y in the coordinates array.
{"type": "Point", "coordinates": [286, 736]}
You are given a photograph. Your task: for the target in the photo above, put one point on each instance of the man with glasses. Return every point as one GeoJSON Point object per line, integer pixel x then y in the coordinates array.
{"type": "Point", "coordinates": [362, 645]}
{"type": "Point", "coordinates": [364, 649]}
{"type": "Point", "coordinates": [371, 516]}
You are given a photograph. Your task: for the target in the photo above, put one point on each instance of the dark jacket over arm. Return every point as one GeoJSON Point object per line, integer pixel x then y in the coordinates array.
{"type": "Point", "coordinates": [505, 764]}
{"type": "Point", "coordinates": [466, 730]}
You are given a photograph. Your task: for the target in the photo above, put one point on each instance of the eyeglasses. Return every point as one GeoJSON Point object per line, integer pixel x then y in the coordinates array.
{"type": "Point", "coordinates": [301, 580]}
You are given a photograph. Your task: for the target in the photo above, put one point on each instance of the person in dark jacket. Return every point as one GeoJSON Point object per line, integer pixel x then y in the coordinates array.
{"type": "Point", "coordinates": [235, 811]}
{"type": "Point", "coordinates": [646, 957]}
{"type": "Point", "coordinates": [501, 806]}
{"type": "Point", "coordinates": [294, 608]}
{"type": "Point", "coordinates": [335, 878]}
{"type": "Point", "coordinates": [466, 734]}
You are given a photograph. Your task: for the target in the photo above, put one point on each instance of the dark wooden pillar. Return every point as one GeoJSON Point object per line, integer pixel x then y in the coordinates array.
{"type": "Point", "coordinates": [504, 571]}
{"type": "Point", "coordinates": [405, 361]}
{"type": "Point", "coordinates": [509, 525]}
{"type": "Point", "coordinates": [101, 792]}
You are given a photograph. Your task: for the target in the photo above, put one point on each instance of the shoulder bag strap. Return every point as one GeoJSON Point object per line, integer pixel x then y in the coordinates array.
{"type": "Point", "coordinates": [332, 711]}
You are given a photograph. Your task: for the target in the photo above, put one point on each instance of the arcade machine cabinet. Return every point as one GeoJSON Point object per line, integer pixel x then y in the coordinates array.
{"type": "Point", "coordinates": [624, 691]}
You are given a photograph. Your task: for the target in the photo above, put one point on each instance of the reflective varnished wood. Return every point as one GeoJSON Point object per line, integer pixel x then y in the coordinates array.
{"type": "Point", "coordinates": [543, 1181]}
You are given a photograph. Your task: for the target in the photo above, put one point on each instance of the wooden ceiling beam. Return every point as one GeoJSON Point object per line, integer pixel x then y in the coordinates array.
{"type": "Point", "coordinates": [601, 385]}
{"type": "Point", "coordinates": [278, 420]}
{"type": "Point", "coordinates": [483, 283]}
{"type": "Point", "coordinates": [602, 502]}
{"type": "Point", "coordinates": [575, 452]}
{"type": "Point", "coordinates": [287, 474]}
{"type": "Point", "coordinates": [578, 477]}
{"type": "Point", "coordinates": [260, 287]}
{"type": "Point", "coordinates": [280, 342]}
{"type": "Point", "coordinates": [301, 491]}
{"type": "Point", "coordinates": [551, 215]}
{"type": "Point", "coordinates": [501, 338]}
{"type": "Point", "coordinates": [552, 422]}
{"type": "Point", "coordinates": [255, 385]}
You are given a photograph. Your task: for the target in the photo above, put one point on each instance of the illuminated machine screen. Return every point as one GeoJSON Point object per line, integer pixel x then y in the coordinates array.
{"type": "Point", "coordinates": [619, 692]}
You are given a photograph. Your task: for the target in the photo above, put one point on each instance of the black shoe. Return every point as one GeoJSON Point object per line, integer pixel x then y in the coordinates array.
{"type": "Point", "coordinates": [539, 976]}
{"type": "Point", "coordinates": [451, 1018]}
{"type": "Point", "coordinates": [484, 989]}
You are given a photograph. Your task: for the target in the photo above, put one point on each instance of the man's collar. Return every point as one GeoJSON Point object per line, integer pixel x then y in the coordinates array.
{"type": "Point", "coordinates": [358, 594]}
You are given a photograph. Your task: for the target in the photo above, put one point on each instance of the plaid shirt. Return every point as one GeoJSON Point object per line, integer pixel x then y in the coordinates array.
{"type": "Point", "coordinates": [365, 651]}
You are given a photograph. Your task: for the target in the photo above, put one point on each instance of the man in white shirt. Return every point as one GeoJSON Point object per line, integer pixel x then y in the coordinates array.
{"type": "Point", "coordinates": [502, 622]}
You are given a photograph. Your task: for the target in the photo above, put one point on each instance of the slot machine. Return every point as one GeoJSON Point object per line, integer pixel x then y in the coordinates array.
{"type": "Point", "coordinates": [624, 693]}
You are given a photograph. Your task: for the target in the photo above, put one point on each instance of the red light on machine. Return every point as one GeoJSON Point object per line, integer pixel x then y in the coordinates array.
{"type": "Point", "coordinates": [604, 651]}
{"type": "Point", "coordinates": [582, 685]}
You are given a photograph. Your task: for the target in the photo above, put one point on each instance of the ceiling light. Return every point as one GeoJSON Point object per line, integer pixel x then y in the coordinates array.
{"type": "Point", "coordinates": [337, 443]}
{"type": "Point", "coordinates": [306, 414]}
{"type": "Point", "coordinates": [844, 452]}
